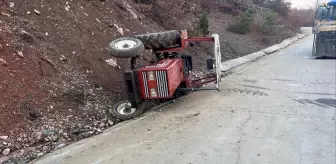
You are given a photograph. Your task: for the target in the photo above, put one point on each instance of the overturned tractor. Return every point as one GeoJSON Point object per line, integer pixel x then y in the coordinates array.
{"type": "Point", "coordinates": [169, 76]}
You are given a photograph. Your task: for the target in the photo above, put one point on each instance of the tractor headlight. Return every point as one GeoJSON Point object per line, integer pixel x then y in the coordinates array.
{"type": "Point", "coordinates": [153, 92]}
{"type": "Point", "coordinates": [150, 75]}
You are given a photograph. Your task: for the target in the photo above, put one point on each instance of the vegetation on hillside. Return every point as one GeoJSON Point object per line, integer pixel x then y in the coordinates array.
{"type": "Point", "coordinates": [243, 23]}
{"type": "Point", "coordinates": [280, 13]}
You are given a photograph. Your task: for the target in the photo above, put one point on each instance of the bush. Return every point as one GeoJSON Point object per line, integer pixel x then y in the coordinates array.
{"type": "Point", "coordinates": [202, 26]}
{"type": "Point", "coordinates": [269, 22]}
{"type": "Point", "coordinates": [243, 23]}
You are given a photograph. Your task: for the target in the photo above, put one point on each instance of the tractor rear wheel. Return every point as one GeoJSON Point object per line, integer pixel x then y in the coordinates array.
{"type": "Point", "coordinates": [160, 40]}
{"type": "Point", "coordinates": [126, 47]}
{"type": "Point", "coordinates": [124, 111]}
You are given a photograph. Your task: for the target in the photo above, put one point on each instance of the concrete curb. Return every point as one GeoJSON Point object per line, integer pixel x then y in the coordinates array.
{"type": "Point", "coordinates": [231, 64]}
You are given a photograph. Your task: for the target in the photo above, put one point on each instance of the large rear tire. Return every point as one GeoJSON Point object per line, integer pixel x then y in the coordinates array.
{"type": "Point", "coordinates": [160, 40]}
{"type": "Point", "coordinates": [126, 47]}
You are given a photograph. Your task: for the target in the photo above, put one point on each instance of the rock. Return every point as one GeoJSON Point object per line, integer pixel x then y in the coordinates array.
{"type": "Point", "coordinates": [22, 151]}
{"type": "Point", "coordinates": [135, 16]}
{"type": "Point", "coordinates": [110, 122]}
{"type": "Point", "coordinates": [20, 54]}
{"type": "Point", "coordinates": [17, 146]}
{"type": "Point", "coordinates": [3, 62]}
{"type": "Point", "coordinates": [6, 152]}
{"type": "Point", "coordinates": [2, 146]}
{"type": "Point", "coordinates": [112, 63]}
{"type": "Point", "coordinates": [40, 154]}
{"type": "Point", "coordinates": [120, 30]}
{"type": "Point", "coordinates": [3, 137]}
{"type": "Point", "coordinates": [4, 159]}
{"type": "Point", "coordinates": [99, 130]}
{"type": "Point", "coordinates": [60, 146]}
{"type": "Point", "coordinates": [55, 138]}
{"type": "Point", "coordinates": [37, 12]}
{"type": "Point", "coordinates": [28, 12]}
{"type": "Point", "coordinates": [46, 33]}
{"type": "Point", "coordinates": [67, 7]}
{"type": "Point", "coordinates": [63, 58]}
{"type": "Point", "coordinates": [39, 136]}
{"type": "Point", "coordinates": [11, 4]}
{"type": "Point", "coordinates": [46, 149]}
{"type": "Point", "coordinates": [5, 14]}
{"type": "Point", "coordinates": [5, 143]}
{"type": "Point", "coordinates": [102, 125]}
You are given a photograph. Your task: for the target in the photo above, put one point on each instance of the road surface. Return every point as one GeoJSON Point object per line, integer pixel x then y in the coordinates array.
{"type": "Point", "coordinates": [279, 110]}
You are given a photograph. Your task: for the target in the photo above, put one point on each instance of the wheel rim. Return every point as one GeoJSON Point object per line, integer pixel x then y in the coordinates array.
{"type": "Point", "coordinates": [125, 109]}
{"type": "Point", "coordinates": [125, 44]}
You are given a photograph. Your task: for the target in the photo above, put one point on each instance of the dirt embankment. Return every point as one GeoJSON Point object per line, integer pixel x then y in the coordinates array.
{"type": "Point", "coordinates": [55, 83]}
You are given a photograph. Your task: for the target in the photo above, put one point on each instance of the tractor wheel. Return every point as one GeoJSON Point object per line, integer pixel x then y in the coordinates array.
{"type": "Point", "coordinates": [123, 111]}
{"type": "Point", "coordinates": [126, 47]}
{"type": "Point", "coordinates": [160, 40]}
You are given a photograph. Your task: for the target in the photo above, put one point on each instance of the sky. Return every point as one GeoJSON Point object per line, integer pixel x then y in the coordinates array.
{"type": "Point", "coordinates": [303, 3]}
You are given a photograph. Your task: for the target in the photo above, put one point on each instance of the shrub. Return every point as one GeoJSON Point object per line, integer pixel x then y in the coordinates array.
{"type": "Point", "coordinates": [269, 22]}
{"type": "Point", "coordinates": [243, 23]}
{"type": "Point", "coordinates": [202, 26]}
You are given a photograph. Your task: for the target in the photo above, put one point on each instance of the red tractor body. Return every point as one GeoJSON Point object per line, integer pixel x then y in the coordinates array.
{"type": "Point", "coordinates": [160, 80]}
{"type": "Point", "coordinates": [169, 75]}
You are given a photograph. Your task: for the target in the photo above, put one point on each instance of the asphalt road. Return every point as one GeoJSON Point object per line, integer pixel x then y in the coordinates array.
{"type": "Point", "coordinates": [279, 110]}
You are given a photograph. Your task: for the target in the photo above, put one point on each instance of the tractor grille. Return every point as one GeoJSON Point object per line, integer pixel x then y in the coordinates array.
{"type": "Point", "coordinates": [161, 82]}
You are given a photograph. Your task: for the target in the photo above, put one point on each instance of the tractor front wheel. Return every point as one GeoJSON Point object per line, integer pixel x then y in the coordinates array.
{"type": "Point", "coordinates": [124, 111]}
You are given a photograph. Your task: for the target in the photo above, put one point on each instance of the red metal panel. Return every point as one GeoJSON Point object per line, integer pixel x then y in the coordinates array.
{"type": "Point", "coordinates": [175, 77]}
{"type": "Point", "coordinates": [171, 74]}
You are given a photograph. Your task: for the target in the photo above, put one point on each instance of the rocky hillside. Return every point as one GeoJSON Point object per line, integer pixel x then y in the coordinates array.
{"type": "Point", "coordinates": [56, 77]}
